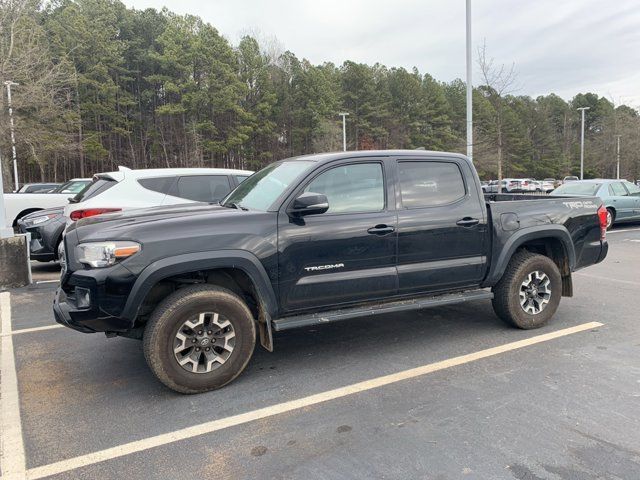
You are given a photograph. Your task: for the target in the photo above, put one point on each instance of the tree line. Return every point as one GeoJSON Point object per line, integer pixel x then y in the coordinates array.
{"type": "Point", "coordinates": [102, 85]}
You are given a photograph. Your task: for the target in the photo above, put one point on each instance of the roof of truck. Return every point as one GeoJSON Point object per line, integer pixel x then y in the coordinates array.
{"type": "Point", "coordinates": [325, 157]}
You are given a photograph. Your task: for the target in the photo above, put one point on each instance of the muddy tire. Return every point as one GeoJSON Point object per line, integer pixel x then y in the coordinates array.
{"type": "Point", "coordinates": [528, 294]}
{"type": "Point", "coordinates": [199, 338]}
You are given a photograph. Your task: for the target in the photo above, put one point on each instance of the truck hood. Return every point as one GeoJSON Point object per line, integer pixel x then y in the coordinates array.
{"type": "Point", "coordinates": [132, 223]}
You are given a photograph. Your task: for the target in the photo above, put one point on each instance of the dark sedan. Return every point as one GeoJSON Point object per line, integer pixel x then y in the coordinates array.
{"type": "Point", "coordinates": [45, 227]}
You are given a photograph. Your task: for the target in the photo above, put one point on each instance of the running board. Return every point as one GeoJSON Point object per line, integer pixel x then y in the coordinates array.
{"type": "Point", "coordinates": [306, 320]}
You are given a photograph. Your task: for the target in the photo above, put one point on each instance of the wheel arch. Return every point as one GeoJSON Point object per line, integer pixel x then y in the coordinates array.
{"type": "Point", "coordinates": [237, 270]}
{"type": "Point", "coordinates": [553, 241]}
{"type": "Point", "coordinates": [24, 213]}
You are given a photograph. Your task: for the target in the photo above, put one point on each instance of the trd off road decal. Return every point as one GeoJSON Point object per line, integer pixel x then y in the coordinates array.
{"type": "Point", "coordinates": [576, 204]}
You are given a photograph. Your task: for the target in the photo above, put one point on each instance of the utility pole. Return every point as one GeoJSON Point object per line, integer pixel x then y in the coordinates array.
{"type": "Point", "coordinates": [344, 130]}
{"type": "Point", "coordinates": [5, 232]}
{"type": "Point", "coordinates": [469, 87]}
{"type": "Point", "coordinates": [582, 109]}
{"type": "Point", "coordinates": [618, 157]}
{"type": "Point", "coordinates": [9, 84]}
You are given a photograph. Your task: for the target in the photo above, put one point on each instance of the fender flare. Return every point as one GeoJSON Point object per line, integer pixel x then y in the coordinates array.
{"type": "Point", "coordinates": [191, 262]}
{"type": "Point", "coordinates": [523, 236]}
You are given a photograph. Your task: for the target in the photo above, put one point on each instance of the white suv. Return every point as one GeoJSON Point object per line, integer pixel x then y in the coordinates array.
{"type": "Point", "coordinates": [128, 189]}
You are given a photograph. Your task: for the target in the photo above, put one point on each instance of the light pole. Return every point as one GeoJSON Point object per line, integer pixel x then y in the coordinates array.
{"type": "Point", "coordinates": [344, 130]}
{"type": "Point", "coordinates": [618, 157]}
{"type": "Point", "coordinates": [9, 84]}
{"type": "Point", "coordinates": [582, 109]}
{"type": "Point", "coordinates": [5, 231]}
{"type": "Point", "coordinates": [469, 87]}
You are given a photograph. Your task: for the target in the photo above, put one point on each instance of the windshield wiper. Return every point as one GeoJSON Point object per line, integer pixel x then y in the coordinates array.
{"type": "Point", "coordinates": [236, 206]}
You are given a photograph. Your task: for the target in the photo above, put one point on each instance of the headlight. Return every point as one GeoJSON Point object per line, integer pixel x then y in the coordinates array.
{"type": "Point", "coordinates": [105, 254]}
{"type": "Point", "coordinates": [42, 219]}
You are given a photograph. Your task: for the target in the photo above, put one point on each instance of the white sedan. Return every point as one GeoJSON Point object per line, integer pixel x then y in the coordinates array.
{"type": "Point", "coordinates": [17, 205]}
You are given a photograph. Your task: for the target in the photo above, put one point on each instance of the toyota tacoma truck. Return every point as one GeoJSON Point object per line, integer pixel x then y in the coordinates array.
{"type": "Point", "coordinates": [318, 239]}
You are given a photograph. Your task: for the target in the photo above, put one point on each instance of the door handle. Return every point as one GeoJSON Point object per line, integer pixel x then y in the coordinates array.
{"type": "Point", "coordinates": [468, 222]}
{"type": "Point", "coordinates": [381, 230]}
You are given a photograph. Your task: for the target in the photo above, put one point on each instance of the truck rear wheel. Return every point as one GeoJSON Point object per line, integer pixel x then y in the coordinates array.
{"type": "Point", "coordinates": [528, 294]}
{"type": "Point", "coordinates": [199, 338]}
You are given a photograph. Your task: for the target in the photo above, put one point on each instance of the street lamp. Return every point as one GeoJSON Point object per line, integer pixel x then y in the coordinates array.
{"type": "Point", "coordinates": [5, 231]}
{"type": "Point", "coordinates": [469, 87]}
{"type": "Point", "coordinates": [618, 158]}
{"type": "Point", "coordinates": [9, 84]}
{"type": "Point", "coordinates": [344, 130]}
{"type": "Point", "coordinates": [582, 109]}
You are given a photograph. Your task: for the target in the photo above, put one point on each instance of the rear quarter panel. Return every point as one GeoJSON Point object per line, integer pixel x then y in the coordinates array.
{"type": "Point", "coordinates": [517, 221]}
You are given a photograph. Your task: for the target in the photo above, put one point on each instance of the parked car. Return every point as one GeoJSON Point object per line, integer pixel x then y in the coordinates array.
{"type": "Point", "coordinates": [530, 185]}
{"type": "Point", "coordinates": [570, 178]}
{"type": "Point", "coordinates": [37, 187]}
{"type": "Point", "coordinates": [46, 228]}
{"type": "Point", "coordinates": [17, 205]}
{"type": "Point", "coordinates": [128, 189]}
{"type": "Point", "coordinates": [509, 185]}
{"type": "Point", "coordinates": [317, 239]}
{"type": "Point", "coordinates": [550, 184]}
{"type": "Point", "coordinates": [621, 198]}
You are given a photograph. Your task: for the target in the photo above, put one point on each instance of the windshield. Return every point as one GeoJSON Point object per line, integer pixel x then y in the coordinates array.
{"type": "Point", "coordinates": [73, 186]}
{"type": "Point", "coordinates": [575, 188]}
{"type": "Point", "coordinates": [260, 190]}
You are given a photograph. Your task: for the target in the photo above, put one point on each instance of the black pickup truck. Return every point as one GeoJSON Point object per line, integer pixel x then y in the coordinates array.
{"type": "Point", "coordinates": [318, 239]}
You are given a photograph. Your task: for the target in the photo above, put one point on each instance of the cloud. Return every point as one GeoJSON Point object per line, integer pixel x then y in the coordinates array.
{"type": "Point", "coordinates": [563, 47]}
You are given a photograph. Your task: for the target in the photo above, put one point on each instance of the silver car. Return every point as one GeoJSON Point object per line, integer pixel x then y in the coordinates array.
{"type": "Point", "coordinates": [622, 198]}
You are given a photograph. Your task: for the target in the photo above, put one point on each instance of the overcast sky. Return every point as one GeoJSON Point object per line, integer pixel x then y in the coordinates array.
{"type": "Point", "coordinates": [561, 46]}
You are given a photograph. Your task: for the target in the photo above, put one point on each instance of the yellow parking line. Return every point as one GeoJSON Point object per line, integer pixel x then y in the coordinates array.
{"type": "Point", "coordinates": [12, 458]}
{"type": "Point", "coordinates": [243, 418]}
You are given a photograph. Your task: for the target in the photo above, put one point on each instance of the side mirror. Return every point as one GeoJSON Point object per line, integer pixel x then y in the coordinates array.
{"type": "Point", "coordinates": [309, 203]}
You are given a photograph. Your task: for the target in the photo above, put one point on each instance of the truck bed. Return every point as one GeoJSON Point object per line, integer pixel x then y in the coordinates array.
{"type": "Point", "coordinates": [515, 214]}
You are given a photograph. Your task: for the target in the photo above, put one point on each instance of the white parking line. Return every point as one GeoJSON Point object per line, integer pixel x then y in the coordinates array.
{"type": "Point", "coordinates": [12, 459]}
{"type": "Point", "coordinates": [48, 281]}
{"type": "Point", "coordinates": [223, 423]}
{"type": "Point", "coordinates": [624, 230]}
{"type": "Point", "coordinates": [608, 279]}
{"type": "Point", "coordinates": [30, 330]}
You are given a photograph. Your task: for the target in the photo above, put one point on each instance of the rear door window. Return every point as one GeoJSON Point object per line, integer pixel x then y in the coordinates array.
{"type": "Point", "coordinates": [617, 189]}
{"type": "Point", "coordinates": [203, 188]}
{"type": "Point", "coordinates": [429, 184]}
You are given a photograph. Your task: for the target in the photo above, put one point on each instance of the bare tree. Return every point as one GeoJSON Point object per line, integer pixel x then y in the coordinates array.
{"type": "Point", "coordinates": [499, 81]}
{"type": "Point", "coordinates": [45, 120]}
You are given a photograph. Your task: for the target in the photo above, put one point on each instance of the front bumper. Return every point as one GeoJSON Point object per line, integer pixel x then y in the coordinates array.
{"type": "Point", "coordinates": [89, 319]}
{"type": "Point", "coordinates": [44, 238]}
{"type": "Point", "coordinates": [93, 300]}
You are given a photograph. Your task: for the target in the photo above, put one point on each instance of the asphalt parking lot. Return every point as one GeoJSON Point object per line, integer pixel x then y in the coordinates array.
{"type": "Point", "coordinates": [417, 395]}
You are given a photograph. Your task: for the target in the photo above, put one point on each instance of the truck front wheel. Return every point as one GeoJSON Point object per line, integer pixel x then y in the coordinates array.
{"type": "Point", "coordinates": [528, 294]}
{"type": "Point", "coordinates": [199, 338]}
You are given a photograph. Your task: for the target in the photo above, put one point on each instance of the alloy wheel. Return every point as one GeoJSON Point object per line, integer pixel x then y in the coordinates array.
{"type": "Point", "coordinates": [204, 343]}
{"type": "Point", "coordinates": [535, 292]}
